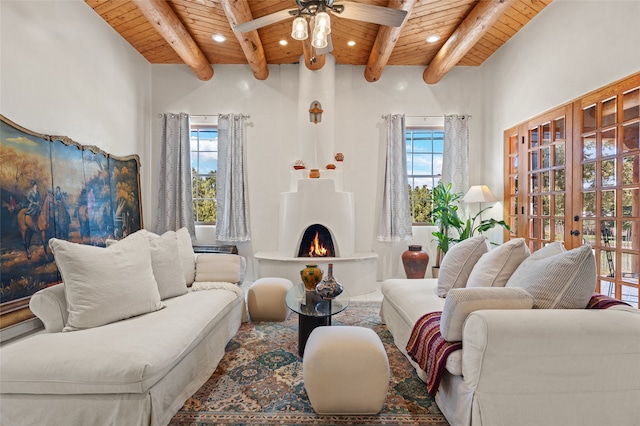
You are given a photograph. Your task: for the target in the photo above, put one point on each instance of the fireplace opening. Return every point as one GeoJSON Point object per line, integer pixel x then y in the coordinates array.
{"type": "Point", "coordinates": [316, 242]}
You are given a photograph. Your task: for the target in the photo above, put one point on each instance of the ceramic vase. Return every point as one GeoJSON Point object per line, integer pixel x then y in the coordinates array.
{"type": "Point", "coordinates": [329, 288]}
{"type": "Point", "coordinates": [314, 173]}
{"type": "Point", "coordinates": [311, 276]}
{"type": "Point", "coordinates": [415, 262]}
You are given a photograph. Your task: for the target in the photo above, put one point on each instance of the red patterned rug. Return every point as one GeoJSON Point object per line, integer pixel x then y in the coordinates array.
{"type": "Point", "coordinates": [259, 381]}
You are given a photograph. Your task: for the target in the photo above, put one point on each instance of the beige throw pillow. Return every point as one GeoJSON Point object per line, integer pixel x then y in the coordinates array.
{"type": "Point", "coordinates": [462, 301]}
{"type": "Point", "coordinates": [103, 285]}
{"type": "Point", "coordinates": [459, 262]}
{"type": "Point", "coordinates": [166, 265]}
{"type": "Point", "coordinates": [495, 267]}
{"type": "Point", "coordinates": [220, 267]}
{"type": "Point", "coordinates": [187, 255]}
{"type": "Point", "coordinates": [556, 278]}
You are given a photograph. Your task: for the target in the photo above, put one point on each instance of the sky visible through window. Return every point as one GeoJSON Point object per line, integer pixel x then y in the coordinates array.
{"type": "Point", "coordinates": [204, 166]}
{"type": "Point", "coordinates": [424, 168]}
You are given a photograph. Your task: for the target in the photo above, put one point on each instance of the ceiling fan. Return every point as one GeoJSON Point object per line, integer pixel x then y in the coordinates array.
{"type": "Point", "coordinates": [316, 12]}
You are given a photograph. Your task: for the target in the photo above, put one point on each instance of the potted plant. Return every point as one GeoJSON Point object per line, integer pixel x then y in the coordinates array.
{"type": "Point", "coordinates": [470, 228]}
{"type": "Point", "coordinates": [444, 214]}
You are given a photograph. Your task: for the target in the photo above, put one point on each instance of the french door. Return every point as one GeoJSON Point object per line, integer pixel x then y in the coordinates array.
{"type": "Point", "coordinates": [572, 175]}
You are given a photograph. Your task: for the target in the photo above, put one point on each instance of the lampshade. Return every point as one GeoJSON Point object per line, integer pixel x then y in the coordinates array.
{"type": "Point", "coordinates": [319, 40]}
{"type": "Point", "coordinates": [479, 194]}
{"type": "Point", "coordinates": [323, 22]}
{"type": "Point", "coordinates": [300, 29]}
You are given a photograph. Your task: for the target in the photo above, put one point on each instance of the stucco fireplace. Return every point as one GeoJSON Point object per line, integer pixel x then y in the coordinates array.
{"type": "Point", "coordinates": [319, 204]}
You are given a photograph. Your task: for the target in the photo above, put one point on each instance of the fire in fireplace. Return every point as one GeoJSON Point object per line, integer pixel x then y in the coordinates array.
{"type": "Point", "coordinates": [316, 242]}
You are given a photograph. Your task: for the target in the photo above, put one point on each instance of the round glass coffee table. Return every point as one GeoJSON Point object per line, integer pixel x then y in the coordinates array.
{"type": "Point", "coordinates": [313, 311]}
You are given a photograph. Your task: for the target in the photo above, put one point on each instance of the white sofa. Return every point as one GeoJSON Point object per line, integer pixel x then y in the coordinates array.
{"type": "Point", "coordinates": [134, 371]}
{"type": "Point", "coordinates": [528, 366]}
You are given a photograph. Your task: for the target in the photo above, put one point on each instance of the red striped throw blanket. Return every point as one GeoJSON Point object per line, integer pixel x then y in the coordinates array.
{"type": "Point", "coordinates": [428, 348]}
{"type": "Point", "coordinates": [600, 301]}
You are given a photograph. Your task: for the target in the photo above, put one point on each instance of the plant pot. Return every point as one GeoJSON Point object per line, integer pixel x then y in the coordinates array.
{"type": "Point", "coordinates": [415, 262]}
{"type": "Point", "coordinates": [435, 270]}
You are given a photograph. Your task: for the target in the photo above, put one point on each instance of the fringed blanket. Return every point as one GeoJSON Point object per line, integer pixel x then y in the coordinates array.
{"type": "Point", "coordinates": [428, 348]}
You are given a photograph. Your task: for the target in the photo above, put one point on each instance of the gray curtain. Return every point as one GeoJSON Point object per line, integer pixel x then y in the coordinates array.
{"type": "Point", "coordinates": [395, 218]}
{"type": "Point", "coordinates": [232, 218]}
{"type": "Point", "coordinates": [455, 159]}
{"type": "Point", "coordinates": [175, 200]}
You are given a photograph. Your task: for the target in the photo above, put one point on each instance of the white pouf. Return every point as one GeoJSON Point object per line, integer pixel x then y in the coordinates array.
{"type": "Point", "coordinates": [266, 299]}
{"type": "Point", "coordinates": [345, 370]}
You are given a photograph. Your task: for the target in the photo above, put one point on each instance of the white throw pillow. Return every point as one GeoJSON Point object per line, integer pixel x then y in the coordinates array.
{"type": "Point", "coordinates": [165, 262]}
{"type": "Point", "coordinates": [220, 267]}
{"type": "Point", "coordinates": [495, 267]}
{"type": "Point", "coordinates": [556, 278]}
{"type": "Point", "coordinates": [187, 256]}
{"type": "Point", "coordinates": [103, 285]}
{"type": "Point", "coordinates": [459, 262]}
{"type": "Point", "coordinates": [462, 301]}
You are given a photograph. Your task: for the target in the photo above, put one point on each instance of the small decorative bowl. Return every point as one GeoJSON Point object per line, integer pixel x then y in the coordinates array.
{"type": "Point", "coordinates": [298, 167]}
{"type": "Point", "coordinates": [331, 166]}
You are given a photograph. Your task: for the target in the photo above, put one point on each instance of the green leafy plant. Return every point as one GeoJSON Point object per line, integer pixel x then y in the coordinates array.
{"type": "Point", "coordinates": [469, 227]}
{"type": "Point", "coordinates": [444, 213]}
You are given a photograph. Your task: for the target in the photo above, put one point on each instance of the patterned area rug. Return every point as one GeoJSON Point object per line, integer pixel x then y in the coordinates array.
{"type": "Point", "coordinates": [259, 381]}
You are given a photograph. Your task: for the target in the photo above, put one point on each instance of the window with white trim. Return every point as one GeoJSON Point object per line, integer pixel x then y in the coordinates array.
{"type": "Point", "coordinates": [204, 167]}
{"type": "Point", "coordinates": [425, 146]}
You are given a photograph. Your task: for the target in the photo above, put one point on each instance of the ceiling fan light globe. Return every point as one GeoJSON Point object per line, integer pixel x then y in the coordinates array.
{"type": "Point", "coordinates": [323, 22]}
{"type": "Point", "coordinates": [300, 29]}
{"type": "Point", "coordinates": [319, 40]}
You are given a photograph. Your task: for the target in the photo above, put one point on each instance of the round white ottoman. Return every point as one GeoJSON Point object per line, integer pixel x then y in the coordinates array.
{"type": "Point", "coordinates": [345, 370]}
{"type": "Point", "coordinates": [265, 299]}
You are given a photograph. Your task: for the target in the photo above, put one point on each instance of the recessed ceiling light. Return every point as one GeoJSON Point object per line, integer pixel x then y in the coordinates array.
{"type": "Point", "coordinates": [351, 43]}
{"type": "Point", "coordinates": [433, 38]}
{"type": "Point", "coordinates": [283, 42]}
{"type": "Point", "coordinates": [219, 38]}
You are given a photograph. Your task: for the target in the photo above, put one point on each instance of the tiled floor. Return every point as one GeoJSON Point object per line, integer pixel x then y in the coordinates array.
{"type": "Point", "coordinates": [375, 296]}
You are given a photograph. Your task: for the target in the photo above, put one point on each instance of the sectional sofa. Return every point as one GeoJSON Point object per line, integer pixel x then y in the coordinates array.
{"type": "Point", "coordinates": [134, 331]}
{"type": "Point", "coordinates": [531, 353]}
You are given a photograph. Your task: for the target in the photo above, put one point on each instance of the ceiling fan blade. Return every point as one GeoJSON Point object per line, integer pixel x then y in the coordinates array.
{"type": "Point", "coordinates": [374, 14]}
{"type": "Point", "coordinates": [327, 49]}
{"type": "Point", "coordinates": [263, 21]}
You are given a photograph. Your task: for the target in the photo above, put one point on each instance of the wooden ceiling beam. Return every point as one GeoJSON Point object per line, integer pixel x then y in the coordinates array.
{"type": "Point", "coordinates": [468, 33]}
{"type": "Point", "coordinates": [385, 42]}
{"type": "Point", "coordinates": [238, 12]}
{"type": "Point", "coordinates": [169, 26]}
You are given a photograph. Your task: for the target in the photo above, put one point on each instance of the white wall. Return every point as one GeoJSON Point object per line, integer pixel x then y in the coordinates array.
{"type": "Point", "coordinates": [273, 142]}
{"type": "Point", "coordinates": [64, 71]}
{"type": "Point", "coordinates": [569, 49]}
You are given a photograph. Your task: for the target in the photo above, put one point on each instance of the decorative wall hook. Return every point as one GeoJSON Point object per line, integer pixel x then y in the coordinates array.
{"type": "Point", "coordinates": [315, 112]}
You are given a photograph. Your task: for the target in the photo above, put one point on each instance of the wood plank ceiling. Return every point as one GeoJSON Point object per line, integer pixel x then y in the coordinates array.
{"type": "Point", "coordinates": [179, 32]}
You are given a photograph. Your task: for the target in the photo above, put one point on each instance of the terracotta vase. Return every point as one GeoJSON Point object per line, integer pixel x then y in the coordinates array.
{"type": "Point", "coordinates": [311, 276]}
{"type": "Point", "coordinates": [314, 173]}
{"type": "Point", "coordinates": [329, 288]}
{"type": "Point", "coordinates": [415, 262]}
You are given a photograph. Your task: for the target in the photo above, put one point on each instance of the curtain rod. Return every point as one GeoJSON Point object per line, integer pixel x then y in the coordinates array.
{"type": "Point", "coordinates": [210, 115]}
{"type": "Point", "coordinates": [427, 116]}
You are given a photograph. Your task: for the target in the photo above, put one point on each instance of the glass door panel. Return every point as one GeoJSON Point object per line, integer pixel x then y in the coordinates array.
{"type": "Point", "coordinates": [609, 184]}
{"type": "Point", "coordinates": [547, 177]}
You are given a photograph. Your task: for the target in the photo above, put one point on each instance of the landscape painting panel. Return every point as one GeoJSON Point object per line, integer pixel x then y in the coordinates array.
{"type": "Point", "coordinates": [26, 263]}
{"type": "Point", "coordinates": [125, 193]}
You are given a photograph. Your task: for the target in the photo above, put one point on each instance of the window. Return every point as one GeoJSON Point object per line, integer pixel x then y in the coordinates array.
{"type": "Point", "coordinates": [204, 166]}
{"type": "Point", "coordinates": [425, 146]}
